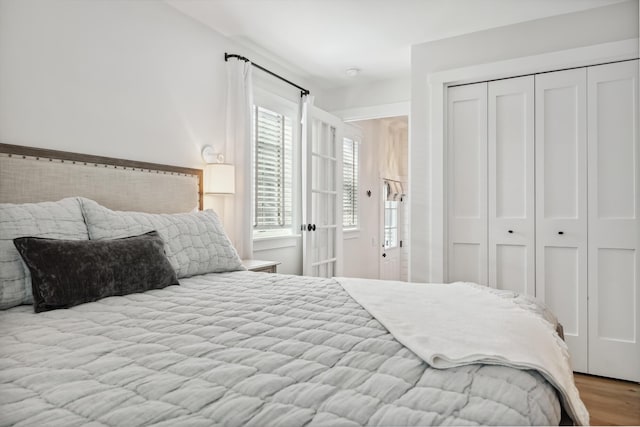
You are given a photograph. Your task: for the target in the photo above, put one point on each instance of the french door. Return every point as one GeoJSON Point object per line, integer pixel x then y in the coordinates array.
{"type": "Point", "coordinates": [322, 194]}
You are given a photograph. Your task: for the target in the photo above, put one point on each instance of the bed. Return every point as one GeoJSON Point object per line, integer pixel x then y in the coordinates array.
{"type": "Point", "coordinates": [224, 348]}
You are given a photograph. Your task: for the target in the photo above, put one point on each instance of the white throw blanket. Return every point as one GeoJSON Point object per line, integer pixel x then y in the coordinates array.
{"type": "Point", "coordinates": [459, 324]}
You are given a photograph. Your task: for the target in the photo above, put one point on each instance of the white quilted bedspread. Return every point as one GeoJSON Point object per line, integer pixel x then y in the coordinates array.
{"type": "Point", "coordinates": [242, 348]}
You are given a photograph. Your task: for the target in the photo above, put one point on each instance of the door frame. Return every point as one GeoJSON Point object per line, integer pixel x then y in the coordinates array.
{"type": "Point", "coordinates": [381, 111]}
{"type": "Point", "coordinates": [385, 111]}
{"type": "Point", "coordinates": [433, 266]}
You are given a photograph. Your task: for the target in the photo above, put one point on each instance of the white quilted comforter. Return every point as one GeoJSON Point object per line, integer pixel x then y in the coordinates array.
{"type": "Point", "coordinates": [242, 348]}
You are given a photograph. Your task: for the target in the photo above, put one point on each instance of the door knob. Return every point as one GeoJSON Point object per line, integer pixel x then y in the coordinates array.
{"type": "Point", "coordinates": [510, 231]}
{"type": "Point", "coordinates": [313, 227]}
{"type": "Point", "coordinates": [384, 255]}
{"type": "Point", "coordinates": [560, 232]}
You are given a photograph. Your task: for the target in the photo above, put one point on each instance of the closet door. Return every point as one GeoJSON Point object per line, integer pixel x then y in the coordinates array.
{"type": "Point", "coordinates": [561, 204]}
{"type": "Point", "coordinates": [467, 183]}
{"type": "Point", "coordinates": [614, 232]}
{"type": "Point", "coordinates": [511, 185]}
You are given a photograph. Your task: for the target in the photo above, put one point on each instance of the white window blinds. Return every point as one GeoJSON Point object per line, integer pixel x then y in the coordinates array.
{"type": "Point", "coordinates": [273, 169]}
{"type": "Point", "coordinates": [350, 184]}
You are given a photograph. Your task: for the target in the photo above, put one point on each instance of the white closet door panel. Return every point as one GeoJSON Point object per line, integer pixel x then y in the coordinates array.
{"type": "Point", "coordinates": [614, 232]}
{"type": "Point", "coordinates": [561, 286]}
{"type": "Point", "coordinates": [511, 250]}
{"type": "Point", "coordinates": [561, 204]}
{"type": "Point", "coordinates": [467, 262]}
{"type": "Point", "coordinates": [467, 183]}
{"type": "Point", "coordinates": [513, 268]}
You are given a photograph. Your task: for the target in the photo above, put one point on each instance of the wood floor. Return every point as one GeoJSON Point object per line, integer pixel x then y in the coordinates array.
{"type": "Point", "coordinates": [610, 402]}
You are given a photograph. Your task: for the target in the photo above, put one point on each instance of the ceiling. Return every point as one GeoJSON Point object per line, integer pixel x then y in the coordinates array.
{"type": "Point", "coordinates": [320, 39]}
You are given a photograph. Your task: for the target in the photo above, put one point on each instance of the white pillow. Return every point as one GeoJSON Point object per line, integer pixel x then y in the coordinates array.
{"type": "Point", "coordinates": [56, 220]}
{"type": "Point", "coordinates": [195, 243]}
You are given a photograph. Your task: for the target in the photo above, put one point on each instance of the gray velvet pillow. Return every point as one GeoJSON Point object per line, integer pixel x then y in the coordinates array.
{"type": "Point", "coordinates": [65, 273]}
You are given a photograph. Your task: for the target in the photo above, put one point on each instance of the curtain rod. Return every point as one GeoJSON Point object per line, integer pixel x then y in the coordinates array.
{"type": "Point", "coordinates": [303, 91]}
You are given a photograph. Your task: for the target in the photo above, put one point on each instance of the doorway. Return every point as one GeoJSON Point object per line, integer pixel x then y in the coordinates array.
{"type": "Point", "coordinates": [383, 157]}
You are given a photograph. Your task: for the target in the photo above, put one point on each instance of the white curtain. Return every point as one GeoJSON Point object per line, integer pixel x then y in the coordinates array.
{"type": "Point", "coordinates": [306, 101]}
{"type": "Point", "coordinates": [239, 216]}
{"type": "Point", "coordinates": [392, 152]}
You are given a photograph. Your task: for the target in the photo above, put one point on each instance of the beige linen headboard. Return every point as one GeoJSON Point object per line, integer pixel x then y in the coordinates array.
{"type": "Point", "coordinates": [30, 174]}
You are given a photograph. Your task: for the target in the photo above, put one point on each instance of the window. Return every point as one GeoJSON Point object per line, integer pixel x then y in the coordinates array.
{"type": "Point", "coordinates": [350, 183]}
{"type": "Point", "coordinates": [390, 219]}
{"type": "Point", "coordinates": [273, 161]}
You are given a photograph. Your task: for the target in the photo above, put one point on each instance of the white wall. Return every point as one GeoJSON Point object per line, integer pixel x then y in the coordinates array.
{"type": "Point", "coordinates": [129, 79]}
{"type": "Point", "coordinates": [362, 247]}
{"type": "Point", "coordinates": [121, 79]}
{"type": "Point", "coordinates": [287, 251]}
{"type": "Point", "coordinates": [595, 26]}
{"type": "Point", "coordinates": [134, 79]}
{"type": "Point", "coordinates": [356, 95]}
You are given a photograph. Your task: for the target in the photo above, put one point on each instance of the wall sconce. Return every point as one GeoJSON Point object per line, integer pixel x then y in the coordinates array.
{"type": "Point", "coordinates": [219, 177]}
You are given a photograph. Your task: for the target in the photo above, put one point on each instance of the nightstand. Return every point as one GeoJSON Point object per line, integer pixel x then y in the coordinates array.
{"type": "Point", "coordinates": [261, 266]}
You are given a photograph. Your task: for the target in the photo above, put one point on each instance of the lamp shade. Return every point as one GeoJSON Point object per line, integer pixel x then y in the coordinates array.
{"type": "Point", "coordinates": [219, 178]}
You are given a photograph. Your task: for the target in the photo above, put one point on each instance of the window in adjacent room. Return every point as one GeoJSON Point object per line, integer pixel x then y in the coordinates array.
{"type": "Point", "coordinates": [350, 184]}
{"type": "Point", "coordinates": [391, 205]}
{"type": "Point", "coordinates": [273, 174]}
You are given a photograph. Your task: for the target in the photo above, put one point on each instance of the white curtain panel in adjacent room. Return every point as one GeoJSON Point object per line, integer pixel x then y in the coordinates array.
{"type": "Point", "coordinates": [239, 152]}
{"type": "Point", "coordinates": [391, 151]}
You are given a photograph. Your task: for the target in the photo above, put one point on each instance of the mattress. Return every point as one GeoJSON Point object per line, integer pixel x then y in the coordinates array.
{"type": "Point", "coordinates": [243, 348]}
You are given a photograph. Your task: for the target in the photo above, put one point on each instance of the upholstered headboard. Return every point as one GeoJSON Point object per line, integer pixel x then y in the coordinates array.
{"type": "Point", "coordinates": [30, 174]}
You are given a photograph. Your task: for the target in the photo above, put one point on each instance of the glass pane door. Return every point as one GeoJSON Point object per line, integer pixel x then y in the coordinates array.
{"type": "Point", "coordinates": [323, 177]}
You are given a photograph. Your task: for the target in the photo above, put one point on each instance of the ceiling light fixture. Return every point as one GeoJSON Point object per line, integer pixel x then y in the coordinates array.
{"type": "Point", "coordinates": [353, 71]}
